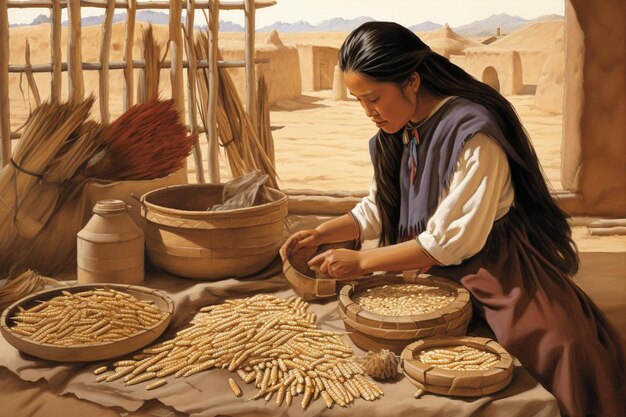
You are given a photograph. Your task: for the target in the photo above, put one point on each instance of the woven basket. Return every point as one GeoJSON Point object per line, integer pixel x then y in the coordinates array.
{"type": "Point", "coordinates": [463, 383]}
{"type": "Point", "coordinates": [302, 279]}
{"type": "Point", "coordinates": [372, 331]}
{"type": "Point", "coordinates": [96, 351]}
{"type": "Point", "coordinates": [185, 239]}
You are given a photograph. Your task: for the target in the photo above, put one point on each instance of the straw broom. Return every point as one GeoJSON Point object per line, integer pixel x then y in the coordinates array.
{"type": "Point", "coordinates": [148, 141]}
{"type": "Point", "coordinates": [45, 131]}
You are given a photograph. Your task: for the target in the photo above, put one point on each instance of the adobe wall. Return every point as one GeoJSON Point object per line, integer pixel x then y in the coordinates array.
{"type": "Point", "coordinates": [317, 65]}
{"type": "Point", "coordinates": [594, 114]}
{"type": "Point", "coordinates": [506, 63]}
{"type": "Point", "coordinates": [282, 74]}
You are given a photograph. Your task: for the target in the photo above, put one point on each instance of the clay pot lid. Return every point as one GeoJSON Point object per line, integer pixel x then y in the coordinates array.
{"type": "Point", "coordinates": [110, 207]}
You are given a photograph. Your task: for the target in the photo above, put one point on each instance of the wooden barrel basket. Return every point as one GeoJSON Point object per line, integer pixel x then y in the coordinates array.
{"type": "Point", "coordinates": [307, 283]}
{"type": "Point", "coordinates": [431, 374]}
{"type": "Point", "coordinates": [185, 239]}
{"type": "Point", "coordinates": [373, 331]}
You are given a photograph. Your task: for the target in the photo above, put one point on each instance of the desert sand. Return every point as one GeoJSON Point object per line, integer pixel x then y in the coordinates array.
{"type": "Point", "coordinates": [321, 143]}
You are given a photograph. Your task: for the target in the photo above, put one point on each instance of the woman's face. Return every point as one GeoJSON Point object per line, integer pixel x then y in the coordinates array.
{"type": "Point", "coordinates": [384, 102]}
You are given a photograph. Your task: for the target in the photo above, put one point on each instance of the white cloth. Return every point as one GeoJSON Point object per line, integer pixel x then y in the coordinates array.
{"type": "Point", "coordinates": [480, 193]}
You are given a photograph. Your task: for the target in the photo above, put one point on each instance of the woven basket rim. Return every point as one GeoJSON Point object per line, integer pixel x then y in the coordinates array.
{"type": "Point", "coordinates": [282, 200]}
{"type": "Point", "coordinates": [448, 312]}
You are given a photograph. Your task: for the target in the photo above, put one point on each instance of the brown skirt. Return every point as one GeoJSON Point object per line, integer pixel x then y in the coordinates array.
{"type": "Point", "coordinates": [540, 316]}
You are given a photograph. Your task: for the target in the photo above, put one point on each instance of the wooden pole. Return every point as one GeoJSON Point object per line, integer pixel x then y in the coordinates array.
{"type": "Point", "coordinates": [105, 50]}
{"type": "Point", "coordinates": [211, 105]}
{"type": "Point", "coordinates": [249, 8]}
{"type": "Point", "coordinates": [128, 54]}
{"type": "Point", "coordinates": [176, 55]}
{"type": "Point", "coordinates": [223, 5]}
{"type": "Point", "coordinates": [29, 75]}
{"type": "Point", "coordinates": [5, 121]}
{"type": "Point", "coordinates": [55, 51]}
{"type": "Point", "coordinates": [74, 52]}
{"type": "Point", "coordinates": [191, 90]}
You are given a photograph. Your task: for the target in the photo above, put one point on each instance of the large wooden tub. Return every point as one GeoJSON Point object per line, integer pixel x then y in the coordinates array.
{"type": "Point", "coordinates": [185, 239]}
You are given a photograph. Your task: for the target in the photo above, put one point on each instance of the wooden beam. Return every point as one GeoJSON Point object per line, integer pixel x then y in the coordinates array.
{"type": "Point", "coordinates": [105, 52]}
{"type": "Point", "coordinates": [211, 105]}
{"type": "Point", "coordinates": [191, 91]}
{"type": "Point", "coordinates": [118, 65]}
{"type": "Point", "coordinates": [5, 120]}
{"type": "Point", "coordinates": [74, 52]}
{"type": "Point", "coordinates": [55, 51]}
{"type": "Point", "coordinates": [129, 84]}
{"type": "Point", "coordinates": [249, 59]}
{"type": "Point", "coordinates": [225, 5]}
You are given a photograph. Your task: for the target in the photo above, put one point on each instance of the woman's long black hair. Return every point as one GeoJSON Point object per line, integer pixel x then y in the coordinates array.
{"type": "Point", "coordinates": [388, 52]}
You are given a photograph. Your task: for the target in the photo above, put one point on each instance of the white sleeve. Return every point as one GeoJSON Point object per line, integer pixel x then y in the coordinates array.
{"type": "Point", "coordinates": [480, 193]}
{"type": "Point", "coordinates": [365, 213]}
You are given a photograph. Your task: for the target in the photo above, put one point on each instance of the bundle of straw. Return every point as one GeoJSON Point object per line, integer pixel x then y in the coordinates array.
{"type": "Point", "coordinates": [42, 200]}
{"type": "Point", "coordinates": [23, 285]}
{"type": "Point", "coordinates": [263, 117]}
{"type": "Point", "coordinates": [45, 132]}
{"type": "Point", "coordinates": [146, 142]}
{"type": "Point", "coordinates": [235, 130]}
{"type": "Point", "coordinates": [148, 83]}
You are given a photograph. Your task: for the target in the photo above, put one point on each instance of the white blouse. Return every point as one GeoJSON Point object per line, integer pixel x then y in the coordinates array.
{"type": "Point", "coordinates": [480, 193]}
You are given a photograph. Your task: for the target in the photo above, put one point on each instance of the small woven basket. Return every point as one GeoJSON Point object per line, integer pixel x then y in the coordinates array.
{"type": "Point", "coordinates": [372, 331]}
{"type": "Point", "coordinates": [304, 281]}
{"type": "Point", "coordinates": [435, 379]}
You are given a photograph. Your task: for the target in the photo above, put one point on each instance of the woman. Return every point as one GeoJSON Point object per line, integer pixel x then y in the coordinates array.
{"type": "Point", "coordinates": [458, 189]}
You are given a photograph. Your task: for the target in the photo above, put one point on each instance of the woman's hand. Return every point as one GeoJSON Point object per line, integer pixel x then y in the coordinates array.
{"type": "Point", "coordinates": [339, 263]}
{"type": "Point", "coordinates": [307, 239]}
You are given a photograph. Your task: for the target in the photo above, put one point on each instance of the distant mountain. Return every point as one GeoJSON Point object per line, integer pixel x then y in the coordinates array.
{"type": "Point", "coordinates": [488, 26]}
{"type": "Point", "coordinates": [283, 27]}
{"type": "Point", "coordinates": [484, 27]}
{"type": "Point", "coordinates": [548, 17]}
{"type": "Point", "coordinates": [425, 27]}
{"type": "Point", "coordinates": [339, 24]}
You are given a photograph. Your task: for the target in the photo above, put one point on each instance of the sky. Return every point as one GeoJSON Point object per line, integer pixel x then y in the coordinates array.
{"type": "Point", "coordinates": [406, 12]}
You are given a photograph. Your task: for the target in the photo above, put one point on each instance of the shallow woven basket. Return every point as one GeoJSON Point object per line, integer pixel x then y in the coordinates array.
{"type": "Point", "coordinates": [185, 239]}
{"type": "Point", "coordinates": [92, 352]}
{"type": "Point", "coordinates": [462, 383]}
{"type": "Point", "coordinates": [302, 279]}
{"type": "Point", "coordinates": [372, 331]}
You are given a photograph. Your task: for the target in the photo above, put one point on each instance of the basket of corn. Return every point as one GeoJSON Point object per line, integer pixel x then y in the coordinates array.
{"type": "Point", "coordinates": [390, 311]}
{"type": "Point", "coordinates": [459, 366]}
{"type": "Point", "coordinates": [83, 323]}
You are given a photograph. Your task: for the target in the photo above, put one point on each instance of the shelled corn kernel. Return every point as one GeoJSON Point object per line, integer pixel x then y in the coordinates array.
{"type": "Point", "coordinates": [404, 299]}
{"type": "Point", "coordinates": [269, 341]}
{"type": "Point", "coordinates": [87, 317]}
{"type": "Point", "coordinates": [463, 358]}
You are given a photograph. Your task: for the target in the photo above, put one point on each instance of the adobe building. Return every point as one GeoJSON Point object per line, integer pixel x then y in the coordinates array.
{"type": "Point", "coordinates": [282, 75]}
{"type": "Point", "coordinates": [593, 167]}
{"type": "Point", "coordinates": [317, 66]}
{"type": "Point", "coordinates": [502, 70]}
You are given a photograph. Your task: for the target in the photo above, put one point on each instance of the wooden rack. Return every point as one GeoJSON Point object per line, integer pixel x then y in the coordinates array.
{"type": "Point", "coordinates": [75, 65]}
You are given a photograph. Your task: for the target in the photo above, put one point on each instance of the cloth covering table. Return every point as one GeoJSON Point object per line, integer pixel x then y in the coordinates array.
{"type": "Point", "coordinates": [32, 387]}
